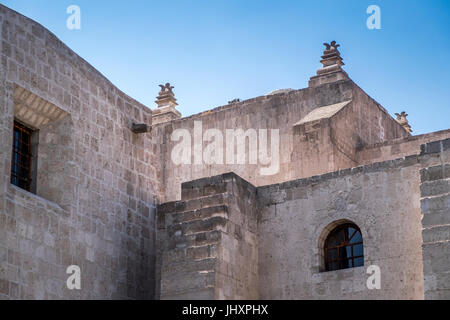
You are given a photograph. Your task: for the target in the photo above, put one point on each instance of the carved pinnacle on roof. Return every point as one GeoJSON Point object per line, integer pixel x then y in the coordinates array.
{"type": "Point", "coordinates": [332, 46]}
{"type": "Point", "coordinates": [331, 55]}
{"type": "Point", "coordinates": [166, 88]}
{"type": "Point", "coordinates": [167, 103]}
{"type": "Point", "coordinates": [401, 119]}
{"type": "Point", "coordinates": [331, 70]}
{"type": "Point", "coordinates": [166, 96]}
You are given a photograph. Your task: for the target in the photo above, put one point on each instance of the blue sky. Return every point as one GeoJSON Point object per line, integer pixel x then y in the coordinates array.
{"type": "Point", "coordinates": [213, 51]}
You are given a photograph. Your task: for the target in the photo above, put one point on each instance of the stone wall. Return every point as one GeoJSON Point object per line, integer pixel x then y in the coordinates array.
{"type": "Point", "coordinates": [368, 123]}
{"type": "Point", "coordinates": [96, 181]}
{"type": "Point", "coordinates": [94, 200]}
{"type": "Point", "coordinates": [383, 199]}
{"type": "Point", "coordinates": [208, 241]}
{"type": "Point", "coordinates": [200, 245]}
{"type": "Point", "coordinates": [393, 149]}
{"type": "Point", "coordinates": [435, 204]}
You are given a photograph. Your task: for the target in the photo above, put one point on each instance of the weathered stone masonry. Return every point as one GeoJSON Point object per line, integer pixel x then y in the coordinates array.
{"type": "Point", "coordinates": [106, 196]}
{"type": "Point", "coordinates": [291, 220]}
{"type": "Point", "coordinates": [435, 204]}
{"type": "Point", "coordinates": [208, 241]}
{"type": "Point", "coordinates": [297, 214]}
{"type": "Point", "coordinates": [96, 184]}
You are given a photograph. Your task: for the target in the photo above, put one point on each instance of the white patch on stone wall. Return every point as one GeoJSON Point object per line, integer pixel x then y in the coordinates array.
{"type": "Point", "coordinates": [380, 125]}
{"type": "Point", "coordinates": [74, 280]}
{"type": "Point", "coordinates": [235, 149]}
{"type": "Point", "coordinates": [213, 152]}
{"type": "Point", "coordinates": [239, 136]}
{"type": "Point", "coordinates": [374, 281]}
{"type": "Point", "coordinates": [181, 152]}
{"type": "Point", "coordinates": [274, 159]}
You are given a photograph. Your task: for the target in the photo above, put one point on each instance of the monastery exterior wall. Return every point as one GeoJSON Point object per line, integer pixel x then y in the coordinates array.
{"type": "Point", "coordinates": [141, 225]}
{"type": "Point", "coordinates": [401, 147]}
{"type": "Point", "coordinates": [382, 199]}
{"type": "Point", "coordinates": [96, 186]}
{"type": "Point", "coordinates": [308, 149]}
{"type": "Point", "coordinates": [208, 241]}
{"type": "Point", "coordinates": [435, 204]}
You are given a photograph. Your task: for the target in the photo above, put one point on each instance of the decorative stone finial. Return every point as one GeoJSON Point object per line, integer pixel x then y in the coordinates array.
{"type": "Point", "coordinates": [166, 96]}
{"type": "Point", "coordinates": [331, 55]}
{"type": "Point", "coordinates": [234, 101]}
{"type": "Point", "coordinates": [401, 119]}
{"type": "Point", "coordinates": [331, 47]}
{"type": "Point", "coordinates": [331, 70]}
{"type": "Point", "coordinates": [166, 102]}
{"type": "Point", "coordinates": [166, 88]}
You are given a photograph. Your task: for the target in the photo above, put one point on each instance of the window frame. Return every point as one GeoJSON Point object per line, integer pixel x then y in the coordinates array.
{"type": "Point", "coordinates": [22, 169]}
{"type": "Point", "coordinates": [343, 245]}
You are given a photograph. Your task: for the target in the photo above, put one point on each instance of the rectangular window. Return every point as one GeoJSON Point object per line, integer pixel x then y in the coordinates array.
{"type": "Point", "coordinates": [22, 157]}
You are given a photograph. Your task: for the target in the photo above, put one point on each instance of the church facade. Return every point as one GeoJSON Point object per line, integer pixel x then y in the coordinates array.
{"type": "Point", "coordinates": [316, 193]}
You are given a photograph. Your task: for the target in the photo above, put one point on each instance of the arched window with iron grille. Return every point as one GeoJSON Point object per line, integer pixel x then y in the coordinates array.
{"type": "Point", "coordinates": [344, 248]}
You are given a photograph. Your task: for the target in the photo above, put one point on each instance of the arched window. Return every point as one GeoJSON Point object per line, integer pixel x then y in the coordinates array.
{"type": "Point", "coordinates": [344, 248]}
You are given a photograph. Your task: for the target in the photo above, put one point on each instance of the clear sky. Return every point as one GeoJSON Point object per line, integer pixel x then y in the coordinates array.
{"type": "Point", "coordinates": [214, 51]}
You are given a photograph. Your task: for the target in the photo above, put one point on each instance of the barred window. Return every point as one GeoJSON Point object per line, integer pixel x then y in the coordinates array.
{"type": "Point", "coordinates": [21, 164]}
{"type": "Point", "coordinates": [344, 248]}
